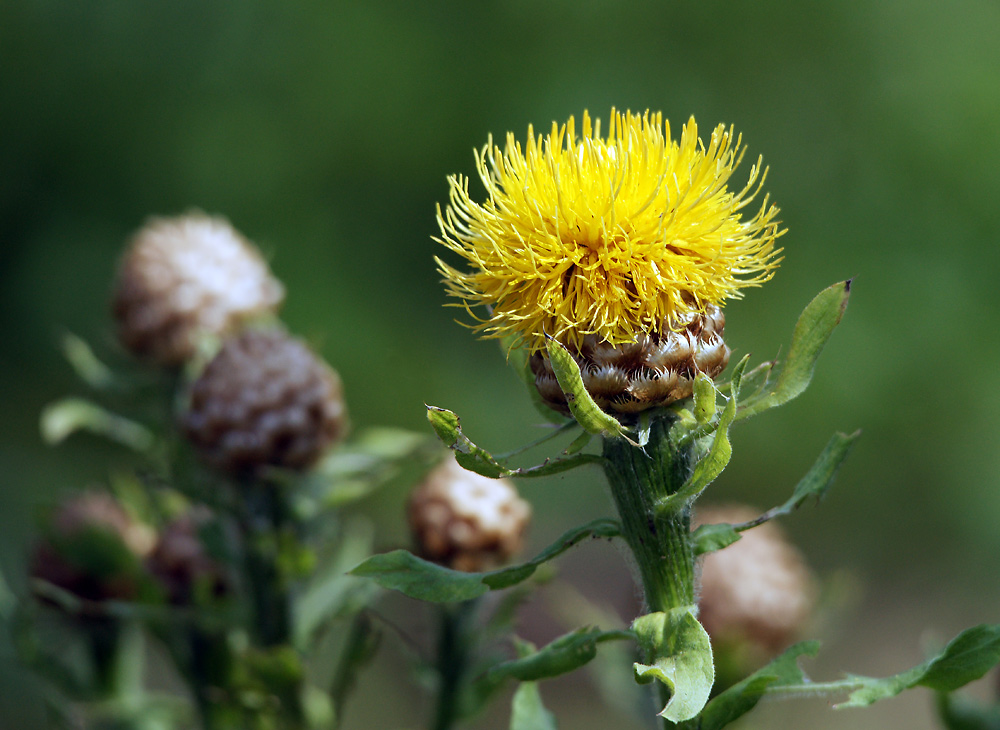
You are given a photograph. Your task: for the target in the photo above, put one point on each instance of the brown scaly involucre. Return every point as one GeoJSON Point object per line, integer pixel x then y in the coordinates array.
{"type": "Point", "coordinates": [184, 277]}
{"type": "Point", "coordinates": [265, 400]}
{"type": "Point", "coordinates": [655, 370]}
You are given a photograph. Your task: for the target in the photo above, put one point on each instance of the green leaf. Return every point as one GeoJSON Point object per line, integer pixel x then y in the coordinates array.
{"type": "Point", "coordinates": [402, 571]}
{"type": "Point", "coordinates": [812, 332]}
{"type": "Point", "coordinates": [744, 696]}
{"type": "Point", "coordinates": [712, 464]}
{"type": "Point", "coordinates": [63, 418]}
{"type": "Point", "coordinates": [564, 654]}
{"type": "Point", "coordinates": [678, 653]}
{"type": "Point", "coordinates": [966, 658]}
{"type": "Point", "coordinates": [85, 363]}
{"type": "Point", "coordinates": [963, 713]}
{"type": "Point", "coordinates": [709, 538]}
{"type": "Point", "coordinates": [705, 396]}
{"type": "Point", "coordinates": [586, 412]}
{"type": "Point", "coordinates": [448, 427]}
{"type": "Point", "coordinates": [527, 711]}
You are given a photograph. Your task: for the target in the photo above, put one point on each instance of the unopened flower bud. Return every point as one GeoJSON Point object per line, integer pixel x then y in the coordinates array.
{"type": "Point", "coordinates": [466, 521]}
{"type": "Point", "coordinates": [181, 563]}
{"type": "Point", "coordinates": [265, 400]}
{"type": "Point", "coordinates": [184, 277]}
{"type": "Point", "coordinates": [654, 370]}
{"type": "Point", "coordinates": [93, 548]}
{"type": "Point", "coordinates": [757, 591]}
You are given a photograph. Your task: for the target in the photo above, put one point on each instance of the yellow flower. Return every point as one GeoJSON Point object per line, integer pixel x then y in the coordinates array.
{"type": "Point", "coordinates": [615, 236]}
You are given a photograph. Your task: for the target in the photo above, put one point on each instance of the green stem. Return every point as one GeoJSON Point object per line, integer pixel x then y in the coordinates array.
{"type": "Point", "coordinates": [452, 660]}
{"type": "Point", "coordinates": [660, 540]}
{"type": "Point", "coordinates": [261, 524]}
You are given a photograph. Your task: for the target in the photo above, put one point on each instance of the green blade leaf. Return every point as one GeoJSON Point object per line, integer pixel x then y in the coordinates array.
{"type": "Point", "coordinates": [712, 464]}
{"type": "Point", "coordinates": [527, 711]}
{"type": "Point", "coordinates": [744, 696]}
{"type": "Point", "coordinates": [402, 571]}
{"type": "Point", "coordinates": [63, 418]}
{"type": "Point", "coordinates": [448, 427]}
{"type": "Point", "coordinates": [679, 654]}
{"type": "Point", "coordinates": [586, 412]}
{"type": "Point", "coordinates": [812, 332]}
{"type": "Point", "coordinates": [966, 658]}
{"type": "Point", "coordinates": [564, 654]}
{"type": "Point", "coordinates": [709, 538]}
{"type": "Point", "coordinates": [964, 713]}
{"type": "Point", "coordinates": [85, 363]}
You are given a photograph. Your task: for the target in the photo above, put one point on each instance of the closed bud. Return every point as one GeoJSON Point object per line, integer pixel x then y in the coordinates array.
{"type": "Point", "coordinates": [184, 277]}
{"type": "Point", "coordinates": [93, 549]}
{"type": "Point", "coordinates": [466, 521]}
{"type": "Point", "coordinates": [183, 566]}
{"type": "Point", "coordinates": [265, 400]}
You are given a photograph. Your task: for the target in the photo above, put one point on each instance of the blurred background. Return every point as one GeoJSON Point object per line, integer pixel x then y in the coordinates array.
{"type": "Point", "coordinates": [325, 132]}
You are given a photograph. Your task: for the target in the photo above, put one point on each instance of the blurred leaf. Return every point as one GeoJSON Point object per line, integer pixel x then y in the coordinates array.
{"type": "Point", "coordinates": [564, 654]}
{"type": "Point", "coordinates": [963, 713]}
{"type": "Point", "coordinates": [362, 644]}
{"type": "Point", "coordinates": [586, 412]}
{"type": "Point", "coordinates": [678, 653]}
{"type": "Point", "coordinates": [448, 427]}
{"type": "Point", "coordinates": [812, 331]}
{"type": "Point", "coordinates": [402, 571]}
{"type": "Point", "coordinates": [712, 464]}
{"type": "Point", "coordinates": [85, 363]}
{"type": "Point", "coordinates": [527, 711]}
{"type": "Point", "coordinates": [743, 697]}
{"type": "Point", "coordinates": [709, 538]}
{"type": "Point", "coordinates": [65, 417]}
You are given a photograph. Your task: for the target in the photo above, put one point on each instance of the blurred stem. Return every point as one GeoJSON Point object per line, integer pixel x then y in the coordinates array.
{"type": "Point", "coordinates": [262, 521]}
{"type": "Point", "coordinates": [659, 539]}
{"type": "Point", "coordinates": [452, 660]}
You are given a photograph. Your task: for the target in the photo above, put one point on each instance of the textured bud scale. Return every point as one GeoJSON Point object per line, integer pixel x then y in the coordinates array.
{"type": "Point", "coordinates": [90, 521]}
{"type": "Point", "coordinates": [757, 590]}
{"type": "Point", "coordinates": [182, 565]}
{"type": "Point", "coordinates": [466, 521]}
{"type": "Point", "coordinates": [265, 399]}
{"type": "Point", "coordinates": [655, 370]}
{"type": "Point", "coordinates": [182, 277]}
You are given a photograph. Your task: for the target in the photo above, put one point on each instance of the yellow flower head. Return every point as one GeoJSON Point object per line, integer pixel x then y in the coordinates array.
{"type": "Point", "coordinates": [614, 236]}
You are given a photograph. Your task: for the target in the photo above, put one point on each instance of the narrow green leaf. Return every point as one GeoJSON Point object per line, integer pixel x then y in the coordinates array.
{"type": "Point", "coordinates": [448, 427]}
{"type": "Point", "coordinates": [739, 699]}
{"type": "Point", "coordinates": [564, 654]}
{"type": "Point", "coordinates": [527, 711]}
{"type": "Point", "coordinates": [812, 332]}
{"type": "Point", "coordinates": [815, 483]}
{"type": "Point", "coordinates": [63, 418]}
{"type": "Point", "coordinates": [85, 363]}
{"type": "Point", "coordinates": [586, 412]}
{"type": "Point", "coordinates": [402, 571]}
{"type": "Point", "coordinates": [579, 443]}
{"type": "Point", "coordinates": [964, 713]}
{"type": "Point", "coordinates": [712, 464]}
{"type": "Point", "coordinates": [709, 538]}
{"type": "Point", "coordinates": [966, 658]}
{"type": "Point", "coordinates": [678, 653]}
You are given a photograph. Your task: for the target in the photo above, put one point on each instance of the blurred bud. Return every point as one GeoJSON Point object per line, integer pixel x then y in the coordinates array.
{"type": "Point", "coordinates": [93, 549]}
{"type": "Point", "coordinates": [265, 400]}
{"type": "Point", "coordinates": [466, 521]}
{"type": "Point", "coordinates": [757, 593]}
{"type": "Point", "coordinates": [183, 566]}
{"type": "Point", "coordinates": [186, 276]}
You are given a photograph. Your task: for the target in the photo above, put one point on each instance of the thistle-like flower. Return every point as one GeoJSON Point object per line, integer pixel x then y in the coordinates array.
{"type": "Point", "coordinates": [633, 239]}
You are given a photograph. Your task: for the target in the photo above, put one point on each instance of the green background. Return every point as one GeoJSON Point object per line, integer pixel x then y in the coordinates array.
{"type": "Point", "coordinates": [325, 131]}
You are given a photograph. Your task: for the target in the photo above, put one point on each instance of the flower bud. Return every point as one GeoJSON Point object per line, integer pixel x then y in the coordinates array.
{"type": "Point", "coordinates": [757, 591]}
{"type": "Point", "coordinates": [265, 400]}
{"type": "Point", "coordinates": [181, 563]}
{"type": "Point", "coordinates": [93, 549]}
{"type": "Point", "coordinates": [184, 277]}
{"type": "Point", "coordinates": [654, 370]}
{"type": "Point", "coordinates": [466, 521]}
